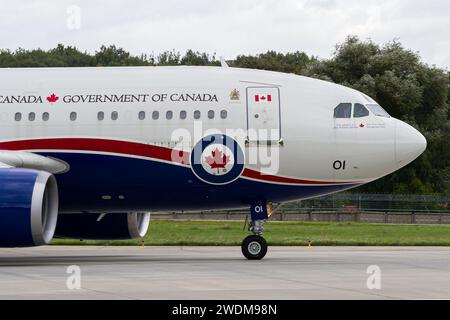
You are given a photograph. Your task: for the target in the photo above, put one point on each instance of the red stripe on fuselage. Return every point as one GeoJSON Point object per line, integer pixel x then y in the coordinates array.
{"type": "Point", "coordinates": [138, 149]}
{"type": "Point", "coordinates": [100, 145]}
{"type": "Point", "coordinates": [249, 173]}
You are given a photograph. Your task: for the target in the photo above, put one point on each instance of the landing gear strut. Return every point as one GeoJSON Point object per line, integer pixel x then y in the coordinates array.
{"type": "Point", "coordinates": [254, 247]}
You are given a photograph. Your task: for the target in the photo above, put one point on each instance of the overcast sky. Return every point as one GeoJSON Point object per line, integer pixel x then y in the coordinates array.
{"type": "Point", "coordinates": [227, 27]}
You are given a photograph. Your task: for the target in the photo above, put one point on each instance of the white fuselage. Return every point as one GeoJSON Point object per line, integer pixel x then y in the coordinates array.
{"type": "Point", "coordinates": [289, 134]}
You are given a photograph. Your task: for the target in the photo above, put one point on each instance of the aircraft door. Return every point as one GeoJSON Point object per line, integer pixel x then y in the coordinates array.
{"type": "Point", "coordinates": [263, 114]}
{"type": "Point", "coordinates": [345, 141]}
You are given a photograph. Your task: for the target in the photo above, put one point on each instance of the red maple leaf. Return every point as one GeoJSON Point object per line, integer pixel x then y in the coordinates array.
{"type": "Point", "coordinates": [53, 98]}
{"type": "Point", "coordinates": [217, 160]}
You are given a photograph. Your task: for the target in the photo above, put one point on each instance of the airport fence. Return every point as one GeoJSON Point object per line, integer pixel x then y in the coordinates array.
{"type": "Point", "coordinates": [371, 208]}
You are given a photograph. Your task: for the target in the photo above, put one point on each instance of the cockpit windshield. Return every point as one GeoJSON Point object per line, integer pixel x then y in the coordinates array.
{"type": "Point", "coordinates": [378, 110]}
{"type": "Point", "coordinates": [343, 110]}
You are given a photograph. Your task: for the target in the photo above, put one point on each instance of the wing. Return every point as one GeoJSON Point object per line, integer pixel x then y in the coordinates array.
{"type": "Point", "coordinates": [29, 160]}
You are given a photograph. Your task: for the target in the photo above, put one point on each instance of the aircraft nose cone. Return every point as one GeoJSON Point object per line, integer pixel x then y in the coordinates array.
{"type": "Point", "coordinates": [409, 143]}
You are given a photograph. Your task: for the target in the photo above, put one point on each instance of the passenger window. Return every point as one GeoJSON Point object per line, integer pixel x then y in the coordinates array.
{"type": "Point", "coordinates": [18, 116]}
{"type": "Point", "coordinates": [114, 115]}
{"type": "Point", "coordinates": [31, 116]}
{"type": "Point", "coordinates": [183, 115]}
{"type": "Point", "coordinates": [343, 111]}
{"type": "Point", "coordinates": [169, 115]}
{"type": "Point", "coordinates": [100, 116]}
{"type": "Point", "coordinates": [211, 114]}
{"type": "Point", "coordinates": [360, 111]}
{"type": "Point", "coordinates": [223, 114]}
{"type": "Point", "coordinates": [197, 114]}
{"type": "Point", "coordinates": [155, 115]}
{"type": "Point", "coordinates": [73, 116]}
{"type": "Point", "coordinates": [141, 115]}
{"type": "Point", "coordinates": [45, 116]}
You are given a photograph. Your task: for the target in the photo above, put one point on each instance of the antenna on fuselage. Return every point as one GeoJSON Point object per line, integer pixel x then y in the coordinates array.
{"type": "Point", "coordinates": [223, 63]}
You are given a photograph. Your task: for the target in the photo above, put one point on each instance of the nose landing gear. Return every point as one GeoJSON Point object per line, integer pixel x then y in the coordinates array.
{"type": "Point", "coordinates": [254, 247]}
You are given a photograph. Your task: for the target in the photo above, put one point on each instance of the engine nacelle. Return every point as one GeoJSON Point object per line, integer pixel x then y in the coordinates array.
{"type": "Point", "coordinates": [28, 207]}
{"type": "Point", "coordinates": [95, 226]}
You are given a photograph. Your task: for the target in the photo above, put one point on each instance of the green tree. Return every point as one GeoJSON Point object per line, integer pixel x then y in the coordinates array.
{"type": "Point", "coordinates": [71, 56]}
{"type": "Point", "coordinates": [113, 56]}
{"type": "Point", "coordinates": [296, 62]}
{"type": "Point", "coordinates": [192, 58]}
{"type": "Point", "coordinates": [169, 58]}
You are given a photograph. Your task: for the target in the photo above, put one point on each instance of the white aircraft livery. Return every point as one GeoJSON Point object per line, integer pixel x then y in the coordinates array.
{"type": "Point", "coordinates": [87, 153]}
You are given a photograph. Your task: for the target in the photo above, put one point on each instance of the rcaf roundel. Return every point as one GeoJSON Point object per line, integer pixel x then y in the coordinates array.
{"type": "Point", "coordinates": [217, 159]}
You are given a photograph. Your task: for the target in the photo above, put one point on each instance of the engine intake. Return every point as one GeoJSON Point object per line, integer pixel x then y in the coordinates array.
{"type": "Point", "coordinates": [28, 207]}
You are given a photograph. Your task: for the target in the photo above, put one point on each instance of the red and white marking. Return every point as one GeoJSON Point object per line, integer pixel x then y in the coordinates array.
{"type": "Point", "coordinates": [263, 98]}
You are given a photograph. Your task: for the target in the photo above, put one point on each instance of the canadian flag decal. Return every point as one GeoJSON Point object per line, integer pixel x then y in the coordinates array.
{"type": "Point", "coordinates": [263, 98]}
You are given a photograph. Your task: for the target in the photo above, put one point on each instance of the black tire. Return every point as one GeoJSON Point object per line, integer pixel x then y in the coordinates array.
{"type": "Point", "coordinates": [254, 247]}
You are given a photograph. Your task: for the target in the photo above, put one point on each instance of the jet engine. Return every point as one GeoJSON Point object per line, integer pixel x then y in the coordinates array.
{"type": "Point", "coordinates": [96, 226]}
{"type": "Point", "coordinates": [28, 207]}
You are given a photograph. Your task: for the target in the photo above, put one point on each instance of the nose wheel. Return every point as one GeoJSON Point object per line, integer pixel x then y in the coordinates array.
{"type": "Point", "coordinates": [254, 247]}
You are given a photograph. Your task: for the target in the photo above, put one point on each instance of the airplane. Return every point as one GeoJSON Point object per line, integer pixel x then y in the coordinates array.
{"type": "Point", "coordinates": [88, 153]}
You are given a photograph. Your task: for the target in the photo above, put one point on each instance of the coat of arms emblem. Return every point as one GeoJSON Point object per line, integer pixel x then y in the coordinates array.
{"type": "Point", "coordinates": [235, 95]}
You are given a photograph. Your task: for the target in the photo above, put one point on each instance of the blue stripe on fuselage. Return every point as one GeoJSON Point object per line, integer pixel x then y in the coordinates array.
{"type": "Point", "coordinates": [153, 185]}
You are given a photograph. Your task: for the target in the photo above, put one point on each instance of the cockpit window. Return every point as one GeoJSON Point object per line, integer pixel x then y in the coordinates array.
{"type": "Point", "coordinates": [378, 110]}
{"type": "Point", "coordinates": [344, 110]}
{"type": "Point", "coordinates": [360, 111]}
